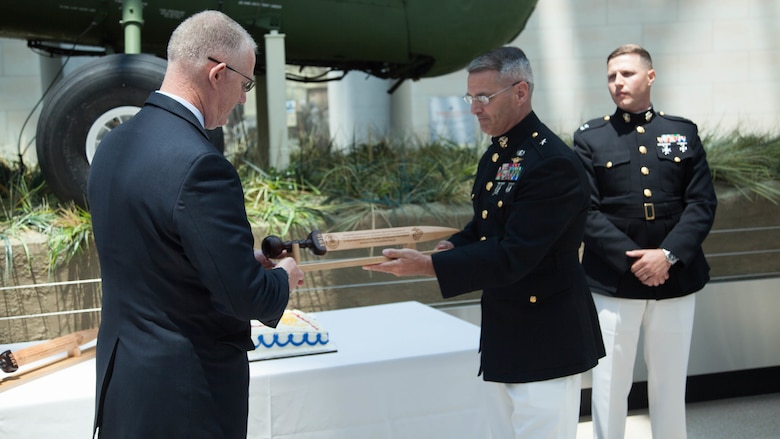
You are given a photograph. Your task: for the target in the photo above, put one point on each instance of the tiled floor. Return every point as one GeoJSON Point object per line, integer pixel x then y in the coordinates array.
{"type": "Point", "coordinates": [754, 417]}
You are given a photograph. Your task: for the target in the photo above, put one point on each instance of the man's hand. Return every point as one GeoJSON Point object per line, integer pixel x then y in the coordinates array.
{"type": "Point", "coordinates": [650, 267]}
{"type": "Point", "coordinates": [264, 261]}
{"type": "Point", "coordinates": [444, 245]}
{"type": "Point", "coordinates": [405, 262]}
{"type": "Point", "coordinates": [294, 272]}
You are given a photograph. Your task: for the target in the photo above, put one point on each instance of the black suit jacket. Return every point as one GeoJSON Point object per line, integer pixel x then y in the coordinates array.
{"type": "Point", "coordinates": [521, 248]}
{"type": "Point", "coordinates": [650, 188]}
{"type": "Point", "coordinates": [180, 282]}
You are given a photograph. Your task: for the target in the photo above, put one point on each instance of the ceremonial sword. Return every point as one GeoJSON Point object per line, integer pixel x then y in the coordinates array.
{"type": "Point", "coordinates": [70, 343]}
{"type": "Point", "coordinates": [320, 243]}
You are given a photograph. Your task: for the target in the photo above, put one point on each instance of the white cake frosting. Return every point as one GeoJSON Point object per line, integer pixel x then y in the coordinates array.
{"type": "Point", "coordinates": [297, 333]}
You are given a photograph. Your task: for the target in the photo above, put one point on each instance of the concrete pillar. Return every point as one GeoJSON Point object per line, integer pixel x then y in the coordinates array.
{"type": "Point", "coordinates": [359, 108]}
{"type": "Point", "coordinates": [275, 60]}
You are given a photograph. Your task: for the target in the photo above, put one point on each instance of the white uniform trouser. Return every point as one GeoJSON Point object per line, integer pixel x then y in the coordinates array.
{"type": "Point", "coordinates": [667, 325]}
{"type": "Point", "coordinates": [538, 410]}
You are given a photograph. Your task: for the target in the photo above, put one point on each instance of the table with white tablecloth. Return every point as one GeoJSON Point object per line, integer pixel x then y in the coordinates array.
{"type": "Point", "coordinates": [401, 370]}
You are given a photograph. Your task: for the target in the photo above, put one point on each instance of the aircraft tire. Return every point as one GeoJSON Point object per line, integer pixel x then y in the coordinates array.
{"type": "Point", "coordinates": [105, 91]}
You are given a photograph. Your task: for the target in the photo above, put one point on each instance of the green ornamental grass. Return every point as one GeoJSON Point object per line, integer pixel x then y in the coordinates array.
{"type": "Point", "coordinates": [332, 189]}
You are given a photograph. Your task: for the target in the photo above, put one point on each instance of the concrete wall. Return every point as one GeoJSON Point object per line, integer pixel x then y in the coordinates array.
{"type": "Point", "coordinates": [717, 62]}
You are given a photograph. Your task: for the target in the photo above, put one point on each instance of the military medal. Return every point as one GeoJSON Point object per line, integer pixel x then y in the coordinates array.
{"type": "Point", "coordinates": [509, 172]}
{"type": "Point", "coordinates": [665, 141]}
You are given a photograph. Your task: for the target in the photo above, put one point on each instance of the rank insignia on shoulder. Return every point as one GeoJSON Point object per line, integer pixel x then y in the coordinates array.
{"type": "Point", "coordinates": [584, 126]}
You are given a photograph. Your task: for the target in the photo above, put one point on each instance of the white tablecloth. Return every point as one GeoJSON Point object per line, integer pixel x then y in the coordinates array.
{"type": "Point", "coordinates": [402, 370]}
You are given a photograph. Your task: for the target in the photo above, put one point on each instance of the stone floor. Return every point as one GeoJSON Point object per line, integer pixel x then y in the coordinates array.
{"type": "Point", "coordinates": [753, 417]}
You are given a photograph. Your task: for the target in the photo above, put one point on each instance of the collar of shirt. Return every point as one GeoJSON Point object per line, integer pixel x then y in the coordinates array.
{"type": "Point", "coordinates": [633, 119]}
{"type": "Point", "coordinates": [188, 105]}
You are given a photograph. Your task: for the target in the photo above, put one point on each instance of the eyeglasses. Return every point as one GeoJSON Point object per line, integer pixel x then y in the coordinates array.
{"type": "Point", "coordinates": [484, 100]}
{"type": "Point", "coordinates": [248, 85]}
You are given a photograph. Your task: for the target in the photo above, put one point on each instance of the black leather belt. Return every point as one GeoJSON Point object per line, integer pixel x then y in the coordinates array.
{"type": "Point", "coordinates": [647, 211]}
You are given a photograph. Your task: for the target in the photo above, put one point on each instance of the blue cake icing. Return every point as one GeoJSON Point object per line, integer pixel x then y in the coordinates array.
{"type": "Point", "coordinates": [296, 333]}
{"type": "Point", "coordinates": [271, 340]}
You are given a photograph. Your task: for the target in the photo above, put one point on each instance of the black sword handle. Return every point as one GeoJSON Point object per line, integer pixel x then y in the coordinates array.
{"type": "Point", "coordinates": [273, 246]}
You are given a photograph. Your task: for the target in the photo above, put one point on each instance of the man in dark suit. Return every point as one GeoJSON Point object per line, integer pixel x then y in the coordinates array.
{"type": "Point", "coordinates": [652, 205]}
{"type": "Point", "coordinates": [180, 278]}
{"type": "Point", "coordinates": [521, 248]}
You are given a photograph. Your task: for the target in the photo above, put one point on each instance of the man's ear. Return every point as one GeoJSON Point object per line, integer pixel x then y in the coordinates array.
{"type": "Point", "coordinates": [216, 73]}
{"type": "Point", "coordinates": [522, 91]}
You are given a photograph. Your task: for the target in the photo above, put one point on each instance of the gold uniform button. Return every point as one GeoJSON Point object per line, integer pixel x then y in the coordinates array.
{"type": "Point", "coordinates": [483, 238]}
{"type": "Point", "coordinates": [472, 196]}
{"type": "Point", "coordinates": [495, 157]}
{"type": "Point", "coordinates": [484, 214]}
{"type": "Point", "coordinates": [677, 159]}
{"type": "Point", "coordinates": [500, 203]}
{"type": "Point", "coordinates": [534, 134]}
{"type": "Point", "coordinates": [645, 171]}
{"type": "Point", "coordinates": [608, 165]}
{"type": "Point", "coordinates": [648, 193]}
{"type": "Point", "coordinates": [489, 185]}
{"type": "Point", "coordinates": [643, 149]}
{"type": "Point", "coordinates": [640, 130]}
{"type": "Point", "coordinates": [532, 299]}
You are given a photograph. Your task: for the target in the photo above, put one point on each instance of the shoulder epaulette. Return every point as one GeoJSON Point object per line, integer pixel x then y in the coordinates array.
{"type": "Point", "coordinates": [595, 123]}
{"type": "Point", "coordinates": [675, 118]}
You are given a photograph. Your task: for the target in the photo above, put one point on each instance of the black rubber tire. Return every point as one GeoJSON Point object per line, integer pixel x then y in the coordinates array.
{"type": "Point", "coordinates": [80, 100]}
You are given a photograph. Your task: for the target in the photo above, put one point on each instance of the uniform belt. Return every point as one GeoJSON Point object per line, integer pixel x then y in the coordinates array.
{"type": "Point", "coordinates": [646, 211]}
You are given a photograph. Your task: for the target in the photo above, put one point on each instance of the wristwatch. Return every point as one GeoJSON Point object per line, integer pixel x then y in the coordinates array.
{"type": "Point", "coordinates": [672, 259]}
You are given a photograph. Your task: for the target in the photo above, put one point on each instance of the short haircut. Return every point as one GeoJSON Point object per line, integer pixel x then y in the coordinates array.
{"type": "Point", "coordinates": [628, 49]}
{"type": "Point", "coordinates": [510, 62]}
{"type": "Point", "coordinates": [208, 33]}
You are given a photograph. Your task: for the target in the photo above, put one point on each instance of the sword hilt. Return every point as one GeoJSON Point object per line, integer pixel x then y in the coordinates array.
{"type": "Point", "coordinates": [273, 246]}
{"type": "Point", "coordinates": [8, 362]}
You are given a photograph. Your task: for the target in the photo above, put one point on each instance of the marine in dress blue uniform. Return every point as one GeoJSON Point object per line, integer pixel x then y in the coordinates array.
{"type": "Point", "coordinates": [652, 205]}
{"type": "Point", "coordinates": [521, 248]}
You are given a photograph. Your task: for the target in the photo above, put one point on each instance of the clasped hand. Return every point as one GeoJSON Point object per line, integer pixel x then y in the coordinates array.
{"type": "Point", "coordinates": [650, 267]}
